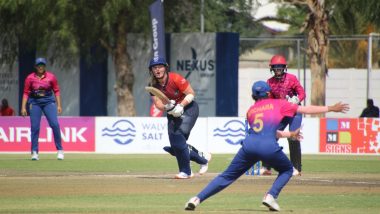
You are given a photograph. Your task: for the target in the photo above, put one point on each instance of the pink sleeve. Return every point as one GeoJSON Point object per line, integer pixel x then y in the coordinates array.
{"type": "Point", "coordinates": [288, 109]}
{"type": "Point", "coordinates": [55, 85]}
{"type": "Point", "coordinates": [26, 88]}
{"type": "Point", "coordinates": [299, 89]}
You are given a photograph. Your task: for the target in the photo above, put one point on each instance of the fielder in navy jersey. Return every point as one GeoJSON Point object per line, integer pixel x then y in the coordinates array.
{"type": "Point", "coordinates": [286, 86]}
{"type": "Point", "coordinates": [42, 95]}
{"type": "Point", "coordinates": [182, 113]}
{"type": "Point", "coordinates": [264, 118]}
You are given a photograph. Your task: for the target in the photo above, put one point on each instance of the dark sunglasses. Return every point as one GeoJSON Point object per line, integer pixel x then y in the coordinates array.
{"type": "Point", "coordinates": [278, 66]}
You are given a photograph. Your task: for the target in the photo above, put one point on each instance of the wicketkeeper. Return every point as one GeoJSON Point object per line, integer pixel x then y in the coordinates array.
{"type": "Point", "coordinates": [286, 86]}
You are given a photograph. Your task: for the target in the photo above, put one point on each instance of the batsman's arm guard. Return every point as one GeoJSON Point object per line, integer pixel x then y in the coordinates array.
{"type": "Point", "coordinates": [189, 98]}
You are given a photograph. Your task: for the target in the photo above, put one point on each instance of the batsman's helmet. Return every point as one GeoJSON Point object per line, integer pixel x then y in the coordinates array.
{"type": "Point", "coordinates": [278, 63]}
{"type": "Point", "coordinates": [260, 89]}
{"type": "Point", "coordinates": [40, 61]}
{"type": "Point", "coordinates": [157, 61]}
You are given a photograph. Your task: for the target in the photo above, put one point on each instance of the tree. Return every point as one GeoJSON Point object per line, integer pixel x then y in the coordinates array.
{"type": "Point", "coordinates": [108, 23]}
{"type": "Point", "coordinates": [316, 27]}
{"type": "Point", "coordinates": [348, 17]}
{"type": "Point", "coordinates": [352, 17]}
{"type": "Point", "coordinates": [69, 28]}
{"type": "Point", "coordinates": [316, 24]}
{"type": "Point", "coordinates": [20, 25]}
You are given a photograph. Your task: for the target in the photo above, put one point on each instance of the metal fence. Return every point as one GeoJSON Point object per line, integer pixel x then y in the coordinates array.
{"type": "Point", "coordinates": [353, 63]}
{"type": "Point", "coordinates": [345, 51]}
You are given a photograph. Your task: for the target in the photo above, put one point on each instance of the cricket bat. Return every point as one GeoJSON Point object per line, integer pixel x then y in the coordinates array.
{"type": "Point", "coordinates": [165, 100]}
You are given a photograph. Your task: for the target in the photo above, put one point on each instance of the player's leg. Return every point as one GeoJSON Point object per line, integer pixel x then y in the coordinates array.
{"type": "Point", "coordinates": [202, 158]}
{"type": "Point", "coordinates": [195, 155]}
{"type": "Point", "coordinates": [35, 113]}
{"type": "Point", "coordinates": [239, 165]}
{"type": "Point", "coordinates": [50, 111]}
{"type": "Point", "coordinates": [280, 162]}
{"type": "Point", "coordinates": [190, 117]}
{"type": "Point", "coordinates": [266, 168]}
{"type": "Point", "coordinates": [198, 156]}
{"type": "Point", "coordinates": [179, 130]}
{"type": "Point", "coordinates": [181, 151]}
{"type": "Point", "coordinates": [295, 145]}
{"type": "Point", "coordinates": [169, 150]}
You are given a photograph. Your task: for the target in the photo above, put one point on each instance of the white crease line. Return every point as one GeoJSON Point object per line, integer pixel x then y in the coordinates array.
{"type": "Point", "coordinates": [341, 181]}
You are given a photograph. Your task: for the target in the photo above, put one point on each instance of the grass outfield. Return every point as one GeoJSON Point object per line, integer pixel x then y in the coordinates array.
{"type": "Point", "coordinates": [94, 183]}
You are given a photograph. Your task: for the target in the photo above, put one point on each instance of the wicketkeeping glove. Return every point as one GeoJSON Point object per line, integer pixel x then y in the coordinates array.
{"type": "Point", "coordinates": [177, 111]}
{"type": "Point", "coordinates": [293, 99]}
{"type": "Point", "coordinates": [170, 106]}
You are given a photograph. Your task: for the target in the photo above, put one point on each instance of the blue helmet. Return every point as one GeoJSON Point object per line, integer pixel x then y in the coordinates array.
{"type": "Point", "coordinates": [157, 61]}
{"type": "Point", "coordinates": [40, 61]}
{"type": "Point", "coordinates": [260, 89]}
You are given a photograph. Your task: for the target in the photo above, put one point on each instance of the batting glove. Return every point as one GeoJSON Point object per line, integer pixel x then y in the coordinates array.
{"type": "Point", "coordinates": [177, 111]}
{"type": "Point", "coordinates": [170, 106]}
{"type": "Point", "coordinates": [293, 99]}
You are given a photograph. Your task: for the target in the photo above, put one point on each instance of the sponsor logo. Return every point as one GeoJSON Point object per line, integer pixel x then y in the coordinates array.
{"type": "Point", "coordinates": [153, 132]}
{"type": "Point", "coordinates": [233, 132]}
{"type": "Point", "coordinates": [338, 136]}
{"type": "Point", "coordinates": [205, 68]}
{"type": "Point", "coordinates": [77, 134]}
{"type": "Point", "coordinates": [155, 37]}
{"type": "Point", "coordinates": [20, 134]}
{"type": "Point", "coordinates": [370, 129]}
{"type": "Point", "coordinates": [122, 132]}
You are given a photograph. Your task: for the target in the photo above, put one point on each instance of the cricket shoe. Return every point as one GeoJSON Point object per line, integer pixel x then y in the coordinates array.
{"type": "Point", "coordinates": [60, 155]}
{"type": "Point", "coordinates": [192, 203]}
{"type": "Point", "coordinates": [204, 167]}
{"type": "Point", "coordinates": [183, 175]}
{"type": "Point", "coordinates": [265, 171]}
{"type": "Point", "coordinates": [271, 202]}
{"type": "Point", "coordinates": [35, 156]}
{"type": "Point", "coordinates": [296, 172]}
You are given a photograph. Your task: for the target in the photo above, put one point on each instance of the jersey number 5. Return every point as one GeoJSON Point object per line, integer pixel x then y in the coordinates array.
{"type": "Point", "coordinates": [258, 123]}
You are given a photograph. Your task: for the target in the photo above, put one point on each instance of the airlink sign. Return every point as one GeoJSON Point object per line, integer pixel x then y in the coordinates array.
{"type": "Point", "coordinates": [77, 134]}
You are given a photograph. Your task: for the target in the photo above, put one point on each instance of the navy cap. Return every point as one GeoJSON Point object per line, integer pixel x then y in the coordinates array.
{"type": "Point", "coordinates": [157, 61]}
{"type": "Point", "coordinates": [40, 61]}
{"type": "Point", "coordinates": [260, 89]}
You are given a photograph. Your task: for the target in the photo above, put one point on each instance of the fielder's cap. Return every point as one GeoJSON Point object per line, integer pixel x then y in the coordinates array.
{"type": "Point", "coordinates": [40, 61]}
{"type": "Point", "coordinates": [157, 61]}
{"type": "Point", "coordinates": [260, 89]}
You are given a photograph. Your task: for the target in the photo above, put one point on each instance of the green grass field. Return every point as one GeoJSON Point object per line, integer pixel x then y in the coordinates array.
{"type": "Point", "coordinates": [95, 183]}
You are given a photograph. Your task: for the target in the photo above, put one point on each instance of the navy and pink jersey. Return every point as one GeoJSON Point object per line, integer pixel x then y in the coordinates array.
{"type": "Point", "coordinates": [47, 84]}
{"type": "Point", "coordinates": [174, 87]}
{"type": "Point", "coordinates": [288, 84]}
{"type": "Point", "coordinates": [264, 117]}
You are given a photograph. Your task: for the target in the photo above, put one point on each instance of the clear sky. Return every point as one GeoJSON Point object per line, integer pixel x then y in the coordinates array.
{"type": "Point", "coordinates": [270, 9]}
